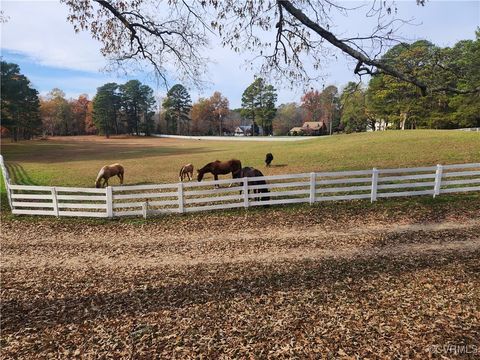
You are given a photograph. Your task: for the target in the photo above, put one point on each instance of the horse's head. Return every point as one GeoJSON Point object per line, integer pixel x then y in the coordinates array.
{"type": "Point", "coordinates": [199, 176]}
{"type": "Point", "coordinates": [97, 184]}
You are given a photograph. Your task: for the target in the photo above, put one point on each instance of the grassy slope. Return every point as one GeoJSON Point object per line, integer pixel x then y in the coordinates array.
{"type": "Point", "coordinates": [76, 161]}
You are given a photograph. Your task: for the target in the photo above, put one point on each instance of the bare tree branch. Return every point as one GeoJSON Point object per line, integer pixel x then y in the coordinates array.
{"type": "Point", "coordinates": [362, 59]}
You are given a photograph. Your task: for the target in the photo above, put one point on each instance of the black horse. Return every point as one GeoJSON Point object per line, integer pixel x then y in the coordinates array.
{"type": "Point", "coordinates": [268, 159]}
{"type": "Point", "coordinates": [252, 172]}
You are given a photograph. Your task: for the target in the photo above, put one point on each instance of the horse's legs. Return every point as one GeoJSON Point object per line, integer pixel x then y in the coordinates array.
{"type": "Point", "coordinates": [120, 176]}
{"type": "Point", "coordinates": [234, 176]}
{"type": "Point", "coordinates": [215, 176]}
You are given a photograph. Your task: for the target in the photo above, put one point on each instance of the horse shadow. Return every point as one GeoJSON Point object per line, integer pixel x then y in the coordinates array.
{"type": "Point", "coordinates": [278, 165]}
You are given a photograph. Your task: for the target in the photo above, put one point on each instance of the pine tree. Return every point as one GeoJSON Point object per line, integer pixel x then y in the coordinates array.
{"type": "Point", "coordinates": [177, 107]}
{"type": "Point", "coordinates": [20, 106]}
{"type": "Point", "coordinates": [258, 105]}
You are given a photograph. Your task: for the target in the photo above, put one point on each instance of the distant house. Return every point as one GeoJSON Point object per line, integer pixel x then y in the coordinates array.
{"type": "Point", "coordinates": [381, 125]}
{"type": "Point", "coordinates": [296, 131]}
{"type": "Point", "coordinates": [246, 130]}
{"type": "Point", "coordinates": [309, 128]}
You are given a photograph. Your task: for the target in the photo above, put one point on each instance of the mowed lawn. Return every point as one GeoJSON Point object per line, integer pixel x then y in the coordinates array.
{"type": "Point", "coordinates": [75, 161]}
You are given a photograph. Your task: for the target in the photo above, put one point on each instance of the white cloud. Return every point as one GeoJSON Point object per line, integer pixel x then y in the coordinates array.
{"type": "Point", "coordinates": [40, 30]}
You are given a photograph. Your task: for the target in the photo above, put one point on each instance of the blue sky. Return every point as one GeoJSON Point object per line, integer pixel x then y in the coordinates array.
{"type": "Point", "coordinates": [52, 55]}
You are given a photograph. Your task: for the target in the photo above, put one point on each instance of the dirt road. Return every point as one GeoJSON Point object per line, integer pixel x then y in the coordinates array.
{"type": "Point", "coordinates": [231, 286]}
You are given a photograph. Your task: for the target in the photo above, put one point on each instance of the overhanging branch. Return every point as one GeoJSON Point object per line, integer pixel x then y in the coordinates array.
{"type": "Point", "coordinates": [362, 59]}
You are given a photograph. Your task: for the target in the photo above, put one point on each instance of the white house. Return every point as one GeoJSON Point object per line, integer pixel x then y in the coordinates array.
{"type": "Point", "coordinates": [246, 130]}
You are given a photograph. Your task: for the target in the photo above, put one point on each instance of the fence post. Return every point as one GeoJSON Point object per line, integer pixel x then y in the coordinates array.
{"type": "Point", "coordinates": [145, 209]}
{"type": "Point", "coordinates": [181, 201]}
{"type": "Point", "coordinates": [109, 194]}
{"type": "Point", "coordinates": [312, 187]}
{"type": "Point", "coordinates": [6, 179]}
{"type": "Point", "coordinates": [55, 201]}
{"type": "Point", "coordinates": [438, 180]}
{"type": "Point", "coordinates": [245, 192]}
{"type": "Point", "coordinates": [373, 194]}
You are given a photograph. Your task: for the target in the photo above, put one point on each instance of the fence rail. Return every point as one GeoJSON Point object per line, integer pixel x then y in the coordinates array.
{"type": "Point", "coordinates": [145, 200]}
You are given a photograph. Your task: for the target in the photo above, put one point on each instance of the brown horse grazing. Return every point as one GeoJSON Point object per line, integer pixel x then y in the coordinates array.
{"type": "Point", "coordinates": [107, 172]}
{"type": "Point", "coordinates": [186, 171]}
{"type": "Point", "coordinates": [252, 172]}
{"type": "Point", "coordinates": [221, 168]}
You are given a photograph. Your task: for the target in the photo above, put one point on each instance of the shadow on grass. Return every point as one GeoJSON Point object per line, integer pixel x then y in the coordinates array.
{"type": "Point", "coordinates": [58, 153]}
{"type": "Point", "coordinates": [18, 174]}
{"type": "Point", "coordinates": [331, 279]}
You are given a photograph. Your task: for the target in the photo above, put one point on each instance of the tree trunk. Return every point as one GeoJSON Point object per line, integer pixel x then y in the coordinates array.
{"type": "Point", "coordinates": [115, 120]}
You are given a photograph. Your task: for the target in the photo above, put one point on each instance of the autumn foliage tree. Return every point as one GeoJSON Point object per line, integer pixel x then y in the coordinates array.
{"type": "Point", "coordinates": [288, 116]}
{"type": "Point", "coordinates": [312, 103]}
{"type": "Point", "coordinates": [56, 113]}
{"type": "Point", "coordinates": [81, 110]}
{"type": "Point", "coordinates": [220, 105]}
{"type": "Point", "coordinates": [202, 115]}
{"type": "Point", "coordinates": [208, 115]}
{"type": "Point", "coordinates": [90, 128]}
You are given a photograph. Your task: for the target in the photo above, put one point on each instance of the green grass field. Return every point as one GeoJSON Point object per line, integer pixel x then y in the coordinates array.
{"type": "Point", "coordinates": [75, 161]}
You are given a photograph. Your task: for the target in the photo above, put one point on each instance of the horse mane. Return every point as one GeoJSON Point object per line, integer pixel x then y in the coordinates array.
{"type": "Point", "coordinates": [100, 175]}
{"type": "Point", "coordinates": [207, 167]}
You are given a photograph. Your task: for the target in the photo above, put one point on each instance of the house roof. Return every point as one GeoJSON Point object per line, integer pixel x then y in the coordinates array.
{"type": "Point", "coordinates": [297, 129]}
{"type": "Point", "coordinates": [313, 125]}
{"type": "Point", "coordinates": [246, 127]}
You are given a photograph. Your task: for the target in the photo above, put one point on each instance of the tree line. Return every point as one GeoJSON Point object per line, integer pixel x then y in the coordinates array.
{"type": "Point", "coordinates": [384, 102]}
{"type": "Point", "coordinates": [400, 105]}
{"type": "Point", "coordinates": [124, 109]}
{"type": "Point", "coordinates": [212, 116]}
{"type": "Point", "coordinates": [115, 109]}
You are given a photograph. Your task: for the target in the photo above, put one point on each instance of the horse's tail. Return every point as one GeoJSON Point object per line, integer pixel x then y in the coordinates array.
{"type": "Point", "coordinates": [121, 173]}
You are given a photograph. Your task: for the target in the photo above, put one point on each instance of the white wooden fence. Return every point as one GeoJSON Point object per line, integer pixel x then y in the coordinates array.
{"type": "Point", "coordinates": [144, 200]}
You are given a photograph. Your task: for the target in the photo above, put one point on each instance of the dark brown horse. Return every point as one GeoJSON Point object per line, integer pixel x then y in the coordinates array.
{"type": "Point", "coordinates": [250, 173]}
{"type": "Point", "coordinates": [221, 168]}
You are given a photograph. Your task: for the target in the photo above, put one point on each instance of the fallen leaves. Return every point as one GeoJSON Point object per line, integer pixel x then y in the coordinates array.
{"type": "Point", "coordinates": [268, 291]}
